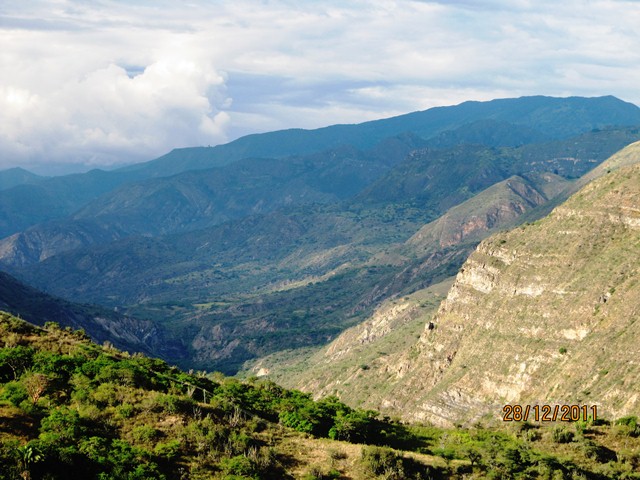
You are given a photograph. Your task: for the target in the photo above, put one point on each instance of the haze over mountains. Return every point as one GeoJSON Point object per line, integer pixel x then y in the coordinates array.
{"type": "Point", "coordinates": [281, 241]}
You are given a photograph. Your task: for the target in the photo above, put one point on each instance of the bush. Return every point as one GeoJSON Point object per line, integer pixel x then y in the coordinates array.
{"type": "Point", "coordinates": [238, 443]}
{"type": "Point", "coordinates": [382, 461]}
{"type": "Point", "coordinates": [175, 404]}
{"type": "Point", "coordinates": [106, 394]}
{"type": "Point", "coordinates": [126, 410]}
{"type": "Point", "coordinates": [562, 435]}
{"type": "Point", "coordinates": [628, 426]}
{"type": "Point", "coordinates": [15, 393]}
{"type": "Point", "coordinates": [597, 452]}
{"type": "Point", "coordinates": [317, 473]}
{"type": "Point", "coordinates": [296, 421]}
{"type": "Point", "coordinates": [337, 455]}
{"type": "Point", "coordinates": [62, 425]}
{"type": "Point", "coordinates": [238, 465]}
{"type": "Point", "coordinates": [9, 459]}
{"type": "Point", "coordinates": [356, 426]}
{"type": "Point", "coordinates": [145, 434]}
{"type": "Point", "coordinates": [168, 450]}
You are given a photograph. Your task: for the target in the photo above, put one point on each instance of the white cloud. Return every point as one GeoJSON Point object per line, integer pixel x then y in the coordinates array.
{"type": "Point", "coordinates": [67, 97]}
{"type": "Point", "coordinates": [113, 81]}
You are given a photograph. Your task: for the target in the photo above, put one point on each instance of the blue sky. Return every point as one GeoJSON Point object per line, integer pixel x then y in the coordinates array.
{"type": "Point", "coordinates": [109, 82]}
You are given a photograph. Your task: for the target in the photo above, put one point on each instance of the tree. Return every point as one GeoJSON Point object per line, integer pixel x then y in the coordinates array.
{"type": "Point", "coordinates": [16, 360]}
{"type": "Point", "coordinates": [35, 384]}
{"type": "Point", "coordinates": [27, 456]}
{"type": "Point", "coordinates": [474, 456]}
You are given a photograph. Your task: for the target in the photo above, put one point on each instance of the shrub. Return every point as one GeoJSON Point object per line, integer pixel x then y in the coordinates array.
{"type": "Point", "coordinates": [175, 404]}
{"type": "Point", "coordinates": [355, 426]}
{"type": "Point", "coordinates": [337, 455]}
{"type": "Point", "coordinates": [630, 426]}
{"type": "Point", "coordinates": [238, 465]}
{"type": "Point", "coordinates": [62, 425]}
{"type": "Point", "coordinates": [106, 394]}
{"type": "Point", "coordinates": [126, 410]}
{"type": "Point", "coordinates": [168, 450]}
{"type": "Point", "coordinates": [531, 435]}
{"type": "Point", "coordinates": [296, 421]}
{"type": "Point", "coordinates": [382, 461]}
{"type": "Point", "coordinates": [145, 434]}
{"type": "Point", "coordinates": [238, 443]}
{"type": "Point", "coordinates": [317, 473]}
{"type": "Point", "coordinates": [15, 393]}
{"type": "Point", "coordinates": [562, 435]}
{"type": "Point", "coordinates": [581, 427]}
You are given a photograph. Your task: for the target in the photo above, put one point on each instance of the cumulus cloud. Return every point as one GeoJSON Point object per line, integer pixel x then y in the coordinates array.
{"type": "Point", "coordinates": [109, 81]}
{"type": "Point", "coordinates": [107, 115]}
{"type": "Point", "coordinates": [103, 115]}
{"type": "Point", "coordinates": [93, 95]}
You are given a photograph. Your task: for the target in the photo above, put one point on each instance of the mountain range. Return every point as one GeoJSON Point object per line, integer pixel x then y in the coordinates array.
{"type": "Point", "coordinates": [255, 255]}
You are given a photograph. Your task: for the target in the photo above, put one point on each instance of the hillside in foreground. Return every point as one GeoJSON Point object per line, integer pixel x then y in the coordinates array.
{"type": "Point", "coordinates": [68, 405]}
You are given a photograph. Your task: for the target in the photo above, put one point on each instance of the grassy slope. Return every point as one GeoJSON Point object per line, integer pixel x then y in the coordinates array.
{"type": "Point", "coordinates": [69, 405]}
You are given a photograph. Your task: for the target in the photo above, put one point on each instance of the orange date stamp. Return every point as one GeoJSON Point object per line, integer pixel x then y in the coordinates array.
{"type": "Point", "coordinates": [549, 413]}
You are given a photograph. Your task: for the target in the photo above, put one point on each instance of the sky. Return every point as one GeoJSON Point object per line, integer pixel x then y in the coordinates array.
{"type": "Point", "coordinates": [105, 83]}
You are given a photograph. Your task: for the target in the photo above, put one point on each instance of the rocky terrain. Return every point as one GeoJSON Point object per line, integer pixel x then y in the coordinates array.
{"type": "Point", "coordinates": [543, 314]}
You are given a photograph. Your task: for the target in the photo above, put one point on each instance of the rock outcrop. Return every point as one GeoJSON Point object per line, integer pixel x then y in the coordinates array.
{"type": "Point", "coordinates": [544, 314]}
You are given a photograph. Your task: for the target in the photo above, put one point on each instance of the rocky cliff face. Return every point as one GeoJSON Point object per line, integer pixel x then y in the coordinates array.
{"type": "Point", "coordinates": [545, 314]}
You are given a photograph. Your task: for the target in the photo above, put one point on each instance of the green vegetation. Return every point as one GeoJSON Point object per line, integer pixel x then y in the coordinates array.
{"type": "Point", "coordinates": [69, 405]}
{"type": "Point", "coordinates": [72, 405]}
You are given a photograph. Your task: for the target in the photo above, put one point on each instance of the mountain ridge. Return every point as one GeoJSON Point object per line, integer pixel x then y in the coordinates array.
{"type": "Point", "coordinates": [557, 112]}
{"type": "Point", "coordinates": [17, 176]}
{"type": "Point", "coordinates": [58, 197]}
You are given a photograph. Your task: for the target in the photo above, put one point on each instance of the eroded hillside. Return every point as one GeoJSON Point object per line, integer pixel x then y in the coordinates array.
{"type": "Point", "coordinates": [544, 314]}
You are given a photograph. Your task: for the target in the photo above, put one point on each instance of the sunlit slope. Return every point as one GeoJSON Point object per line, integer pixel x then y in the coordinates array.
{"type": "Point", "coordinates": [544, 314]}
